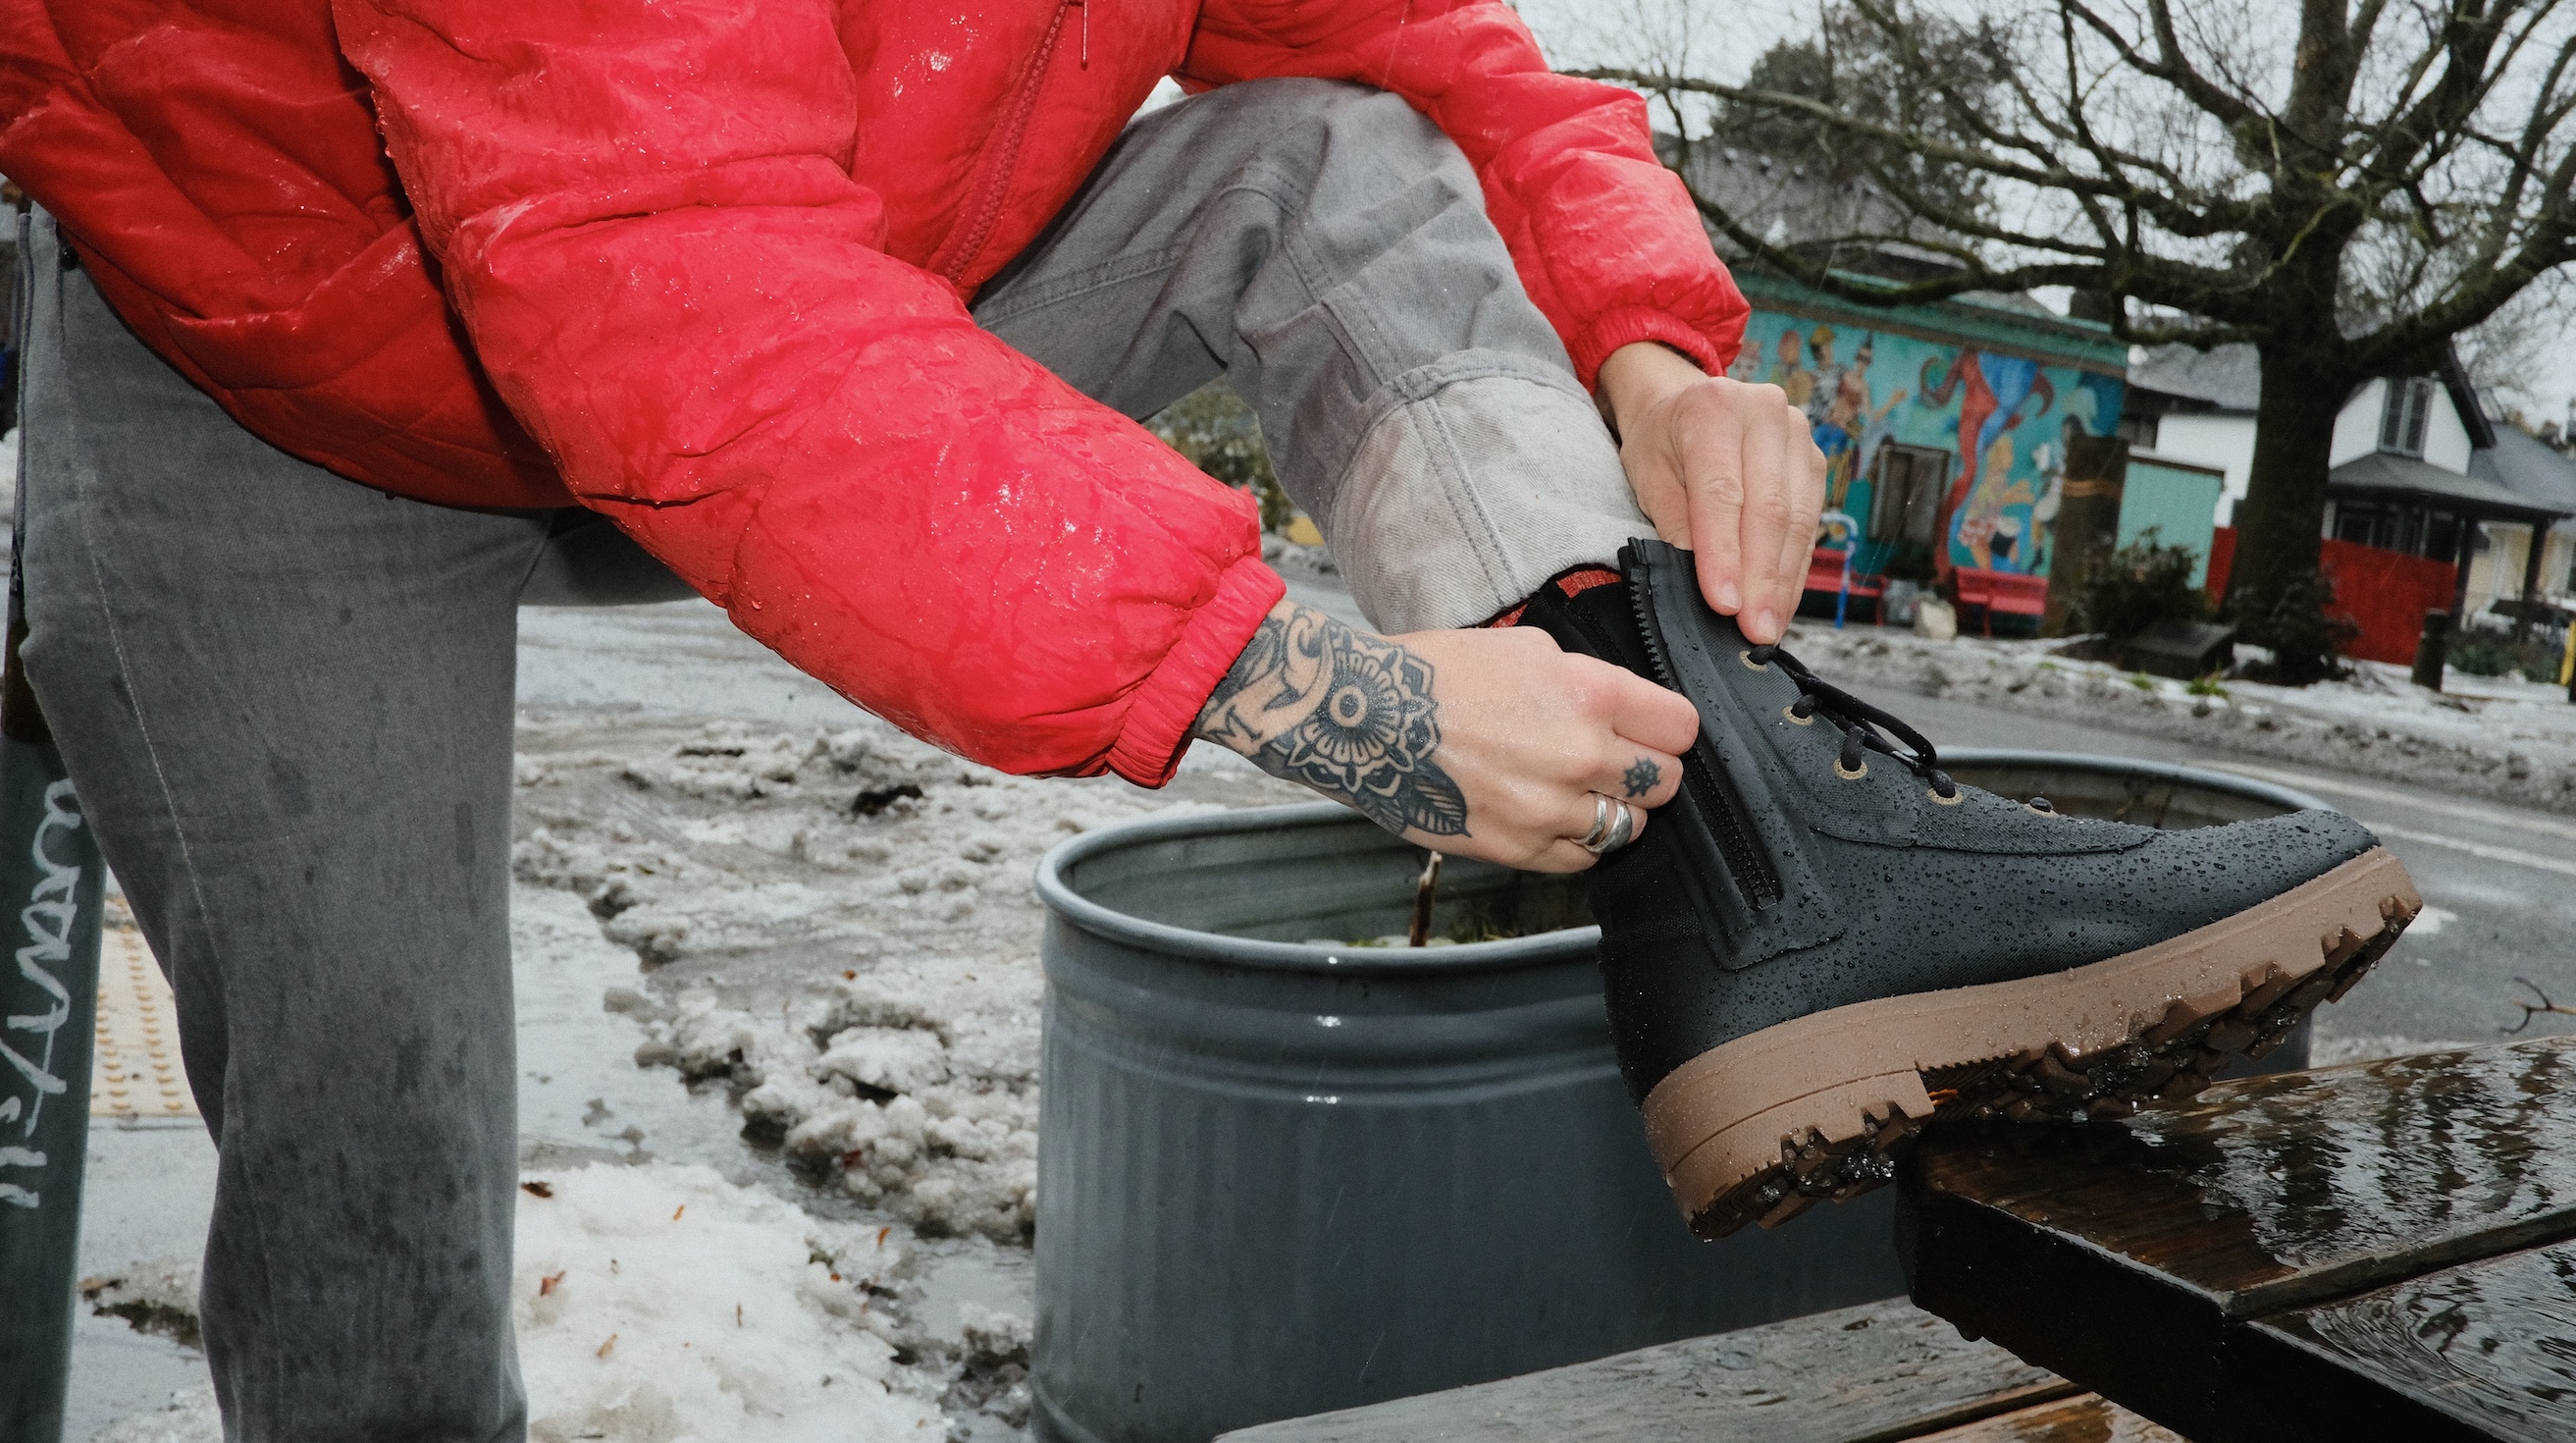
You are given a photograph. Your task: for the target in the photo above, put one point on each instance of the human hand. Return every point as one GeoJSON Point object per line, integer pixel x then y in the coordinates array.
{"type": "Point", "coordinates": [1490, 743]}
{"type": "Point", "coordinates": [1726, 470]}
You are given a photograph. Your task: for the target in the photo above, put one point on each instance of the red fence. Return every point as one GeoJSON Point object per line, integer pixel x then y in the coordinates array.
{"type": "Point", "coordinates": [2386, 593]}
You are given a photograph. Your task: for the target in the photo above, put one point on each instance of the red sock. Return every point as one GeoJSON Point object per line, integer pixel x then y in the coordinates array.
{"type": "Point", "coordinates": [1573, 583]}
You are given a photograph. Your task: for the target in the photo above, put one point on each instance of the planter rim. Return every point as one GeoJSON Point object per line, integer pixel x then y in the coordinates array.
{"type": "Point", "coordinates": [2261, 791]}
{"type": "Point", "coordinates": [1542, 949]}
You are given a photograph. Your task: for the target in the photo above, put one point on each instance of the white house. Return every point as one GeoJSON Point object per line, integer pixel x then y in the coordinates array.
{"type": "Point", "coordinates": [2421, 464]}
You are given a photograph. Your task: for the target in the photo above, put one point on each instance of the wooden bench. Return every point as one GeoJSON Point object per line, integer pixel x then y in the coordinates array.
{"type": "Point", "coordinates": [1993, 591]}
{"type": "Point", "coordinates": [1878, 1373]}
{"type": "Point", "coordinates": [2382, 1250]}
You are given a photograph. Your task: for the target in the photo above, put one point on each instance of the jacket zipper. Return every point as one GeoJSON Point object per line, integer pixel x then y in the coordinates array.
{"type": "Point", "coordinates": [987, 209]}
{"type": "Point", "coordinates": [1754, 875]}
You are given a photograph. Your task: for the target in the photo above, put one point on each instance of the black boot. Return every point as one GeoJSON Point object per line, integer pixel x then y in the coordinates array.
{"type": "Point", "coordinates": [1823, 941]}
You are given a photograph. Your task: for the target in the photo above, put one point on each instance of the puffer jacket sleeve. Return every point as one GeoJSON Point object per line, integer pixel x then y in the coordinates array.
{"type": "Point", "coordinates": [644, 214]}
{"type": "Point", "coordinates": [1606, 240]}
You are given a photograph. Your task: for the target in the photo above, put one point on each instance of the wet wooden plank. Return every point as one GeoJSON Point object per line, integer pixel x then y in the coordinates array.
{"type": "Point", "coordinates": [2084, 1418]}
{"type": "Point", "coordinates": [2483, 1350]}
{"type": "Point", "coordinates": [1877, 1373]}
{"type": "Point", "coordinates": [2121, 1255]}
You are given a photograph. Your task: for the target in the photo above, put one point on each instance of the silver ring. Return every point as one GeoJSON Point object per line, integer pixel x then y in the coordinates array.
{"type": "Point", "coordinates": [1601, 825]}
{"type": "Point", "coordinates": [1622, 832]}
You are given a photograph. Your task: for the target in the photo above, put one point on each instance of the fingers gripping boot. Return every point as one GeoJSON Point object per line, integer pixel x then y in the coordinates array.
{"type": "Point", "coordinates": [1824, 942]}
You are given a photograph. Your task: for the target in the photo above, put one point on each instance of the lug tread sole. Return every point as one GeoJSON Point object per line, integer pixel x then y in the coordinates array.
{"type": "Point", "coordinates": [2082, 1052]}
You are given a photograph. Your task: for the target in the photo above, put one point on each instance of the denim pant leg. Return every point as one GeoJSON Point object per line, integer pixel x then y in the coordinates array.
{"type": "Point", "coordinates": [287, 703]}
{"type": "Point", "coordinates": [1325, 249]}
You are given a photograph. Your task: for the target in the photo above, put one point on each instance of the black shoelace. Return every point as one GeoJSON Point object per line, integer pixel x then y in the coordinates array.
{"type": "Point", "coordinates": [1858, 721]}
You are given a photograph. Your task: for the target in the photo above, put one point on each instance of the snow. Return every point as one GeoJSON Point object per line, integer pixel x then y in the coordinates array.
{"type": "Point", "coordinates": [2505, 739]}
{"type": "Point", "coordinates": [659, 1254]}
{"type": "Point", "coordinates": [877, 885]}
{"type": "Point", "coordinates": [660, 1302]}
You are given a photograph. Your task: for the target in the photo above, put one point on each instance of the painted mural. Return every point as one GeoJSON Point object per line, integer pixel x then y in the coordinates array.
{"type": "Point", "coordinates": [1999, 424]}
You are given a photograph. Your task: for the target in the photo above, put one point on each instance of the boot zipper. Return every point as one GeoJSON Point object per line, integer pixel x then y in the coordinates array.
{"type": "Point", "coordinates": [1753, 872]}
{"type": "Point", "coordinates": [986, 211]}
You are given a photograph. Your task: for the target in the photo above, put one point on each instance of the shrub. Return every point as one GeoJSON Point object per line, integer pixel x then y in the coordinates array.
{"type": "Point", "coordinates": [2480, 652]}
{"type": "Point", "coordinates": [2306, 644]}
{"type": "Point", "coordinates": [2137, 586]}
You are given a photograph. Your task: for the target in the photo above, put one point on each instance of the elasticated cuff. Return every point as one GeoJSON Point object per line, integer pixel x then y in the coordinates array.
{"type": "Point", "coordinates": [1159, 718]}
{"type": "Point", "coordinates": [1634, 324]}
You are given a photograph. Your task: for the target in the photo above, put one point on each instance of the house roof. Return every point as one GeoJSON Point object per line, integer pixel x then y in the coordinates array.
{"type": "Point", "coordinates": [2223, 378]}
{"type": "Point", "coordinates": [2529, 469]}
{"type": "Point", "coordinates": [2382, 474]}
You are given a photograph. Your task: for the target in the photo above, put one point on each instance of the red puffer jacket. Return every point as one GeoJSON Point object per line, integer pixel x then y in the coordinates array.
{"type": "Point", "coordinates": [714, 256]}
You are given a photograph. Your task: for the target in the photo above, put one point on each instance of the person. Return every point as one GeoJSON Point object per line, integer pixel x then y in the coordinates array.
{"type": "Point", "coordinates": [345, 317]}
{"type": "Point", "coordinates": [1789, 371]}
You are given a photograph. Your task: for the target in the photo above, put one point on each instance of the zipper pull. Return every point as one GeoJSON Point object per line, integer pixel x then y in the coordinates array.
{"type": "Point", "coordinates": [1086, 30]}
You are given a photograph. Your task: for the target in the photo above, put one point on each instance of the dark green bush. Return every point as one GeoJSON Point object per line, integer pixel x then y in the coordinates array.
{"type": "Point", "coordinates": [2481, 652]}
{"type": "Point", "coordinates": [2306, 643]}
{"type": "Point", "coordinates": [2137, 586]}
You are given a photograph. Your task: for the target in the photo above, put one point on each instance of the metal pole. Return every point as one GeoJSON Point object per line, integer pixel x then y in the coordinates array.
{"type": "Point", "coordinates": [51, 887]}
{"type": "Point", "coordinates": [2433, 650]}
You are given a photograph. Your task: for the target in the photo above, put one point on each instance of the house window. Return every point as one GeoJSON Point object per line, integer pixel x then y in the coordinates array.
{"type": "Point", "coordinates": [1905, 493]}
{"type": "Point", "coordinates": [2401, 425]}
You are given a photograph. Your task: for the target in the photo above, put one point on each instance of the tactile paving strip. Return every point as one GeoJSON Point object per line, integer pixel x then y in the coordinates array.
{"type": "Point", "coordinates": [135, 1073]}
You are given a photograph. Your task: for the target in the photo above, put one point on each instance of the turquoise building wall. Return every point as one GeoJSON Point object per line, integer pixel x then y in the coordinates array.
{"type": "Point", "coordinates": [1995, 390]}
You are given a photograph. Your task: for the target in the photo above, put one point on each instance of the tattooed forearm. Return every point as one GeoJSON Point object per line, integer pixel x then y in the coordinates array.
{"type": "Point", "coordinates": [1346, 713]}
{"type": "Point", "coordinates": [1641, 776]}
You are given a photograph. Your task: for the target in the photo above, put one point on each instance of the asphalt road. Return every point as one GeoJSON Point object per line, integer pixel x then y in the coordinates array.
{"type": "Point", "coordinates": [2499, 883]}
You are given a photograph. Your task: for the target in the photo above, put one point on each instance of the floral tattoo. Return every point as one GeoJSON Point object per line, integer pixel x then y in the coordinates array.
{"type": "Point", "coordinates": [1346, 713]}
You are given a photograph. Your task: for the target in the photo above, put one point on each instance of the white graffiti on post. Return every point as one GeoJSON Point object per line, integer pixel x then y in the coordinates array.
{"type": "Point", "coordinates": [47, 919]}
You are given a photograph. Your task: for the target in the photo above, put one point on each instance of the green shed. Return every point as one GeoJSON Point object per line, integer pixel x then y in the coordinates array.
{"type": "Point", "coordinates": [2179, 499]}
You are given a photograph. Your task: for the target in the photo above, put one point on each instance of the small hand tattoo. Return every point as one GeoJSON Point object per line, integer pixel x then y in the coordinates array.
{"type": "Point", "coordinates": [1351, 715]}
{"type": "Point", "coordinates": [1641, 776]}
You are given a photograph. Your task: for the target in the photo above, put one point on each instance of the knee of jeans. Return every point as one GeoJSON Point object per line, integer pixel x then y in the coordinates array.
{"type": "Point", "coordinates": [1342, 122]}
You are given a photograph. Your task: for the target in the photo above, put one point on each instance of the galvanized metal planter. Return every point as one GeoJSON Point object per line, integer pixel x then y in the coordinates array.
{"type": "Point", "coordinates": [1278, 1178]}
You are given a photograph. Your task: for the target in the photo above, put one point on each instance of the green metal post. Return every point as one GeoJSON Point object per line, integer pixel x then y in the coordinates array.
{"type": "Point", "coordinates": [51, 888]}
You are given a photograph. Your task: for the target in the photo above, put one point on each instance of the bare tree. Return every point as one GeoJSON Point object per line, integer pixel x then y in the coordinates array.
{"type": "Point", "coordinates": [2342, 184]}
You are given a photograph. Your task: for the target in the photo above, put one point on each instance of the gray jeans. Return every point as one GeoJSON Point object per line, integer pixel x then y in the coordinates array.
{"type": "Point", "coordinates": [287, 699]}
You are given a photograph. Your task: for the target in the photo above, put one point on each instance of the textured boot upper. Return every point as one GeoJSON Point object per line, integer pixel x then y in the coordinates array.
{"type": "Point", "coordinates": [1779, 882]}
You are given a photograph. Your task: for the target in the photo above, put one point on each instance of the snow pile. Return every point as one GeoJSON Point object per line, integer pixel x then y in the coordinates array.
{"type": "Point", "coordinates": [842, 929]}
{"type": "Point", "coordinates": [661, 1303]}
{"type": "Point", "coordinates": [189, 1417]}
{"type": "Point", "coordinates": [2512, 741]}
{"type": "Point", "coordinates": [995, 1377]}
{"type": "Point", "coordinates": [658, 1303]}
{"type": "Point", "coordinates": [156, 1296]}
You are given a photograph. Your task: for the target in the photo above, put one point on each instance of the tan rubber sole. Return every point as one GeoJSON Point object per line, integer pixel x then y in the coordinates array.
{"type": "Point", "coordinates": [1761, 1128]}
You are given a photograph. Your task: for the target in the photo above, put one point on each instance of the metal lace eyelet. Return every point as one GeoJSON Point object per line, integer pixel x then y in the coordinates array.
{"type": "Point", "coordinates": [1851, 776]}
{"type": "Point", "coordinates": [1791, 712]}
{"type": "Point", "coordinates": [1952, 800]}
{"type": "Point", "coordinates": [1750, 664]}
